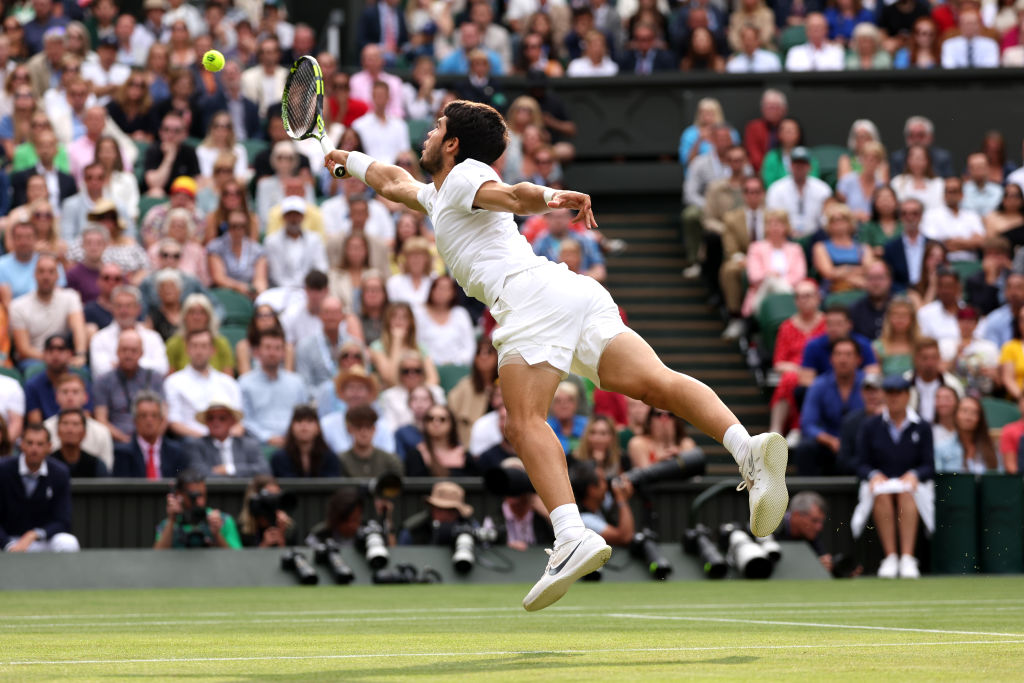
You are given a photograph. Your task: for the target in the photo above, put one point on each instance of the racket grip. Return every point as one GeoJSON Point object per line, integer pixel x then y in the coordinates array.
{"type": "Point", "coordinates": [327, 147]}
{"type": "Point", "coordinates": [339, 170]}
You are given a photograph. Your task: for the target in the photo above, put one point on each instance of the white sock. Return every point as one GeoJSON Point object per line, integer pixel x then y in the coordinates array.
{"type": "Point", "coordinates": [737, 442]}
{"type": "Point", "coordinates": [567, 523]}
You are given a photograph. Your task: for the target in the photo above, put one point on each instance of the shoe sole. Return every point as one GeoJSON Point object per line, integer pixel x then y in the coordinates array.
{"type": "Point", "coordinates": [767, 514]}
{"type": "Point", "coordinates": [560, 586]}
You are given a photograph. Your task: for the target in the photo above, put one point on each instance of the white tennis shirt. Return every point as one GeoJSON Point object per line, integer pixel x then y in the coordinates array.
{"type": "Point", "coordinates": [481, 248]}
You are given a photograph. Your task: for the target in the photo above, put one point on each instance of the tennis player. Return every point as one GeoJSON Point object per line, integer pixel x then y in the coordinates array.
{"type": "Point", "coordinates": [552, 322]}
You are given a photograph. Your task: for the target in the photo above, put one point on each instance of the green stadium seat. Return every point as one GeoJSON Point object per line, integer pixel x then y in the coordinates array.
{"type": "Point", "coordinates": [237, 307]}
{"type": "Point", "coordinates": [33, 370]}
{"type": "Point", "coordinates": [791, 37]}
{"type": "Point", "coordinates": [253, 147]}
{"type": "Point", "coordinates": [828, 161]}
{"type": "Point", "coordinates": [451, 374]}
{"type": "Point", "coordinates": [774, 310]}
{"type": "Point", "coordinates": [12, 373]}
{"type": "Point", "coordinates": [418, 129]}
{"type": "Point", "coordinates": [147, 203]}
{"type": "Point", "coordinates": [233, 333]}
{"type": "Point", "coordinates": [965, 269]}
{"type": "Point", "coordinates": [844, 298]}
{"type": "Point", "coordinates": [999, 413]}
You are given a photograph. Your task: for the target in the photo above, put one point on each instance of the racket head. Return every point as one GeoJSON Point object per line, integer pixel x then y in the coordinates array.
{"type": "Point", "coordinates": [302, 102]}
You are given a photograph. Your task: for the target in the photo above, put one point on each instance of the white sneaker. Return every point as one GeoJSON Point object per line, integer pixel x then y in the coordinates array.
{"type": "Point", "coordinates": [735, 329]}
{"type": "Point", "coordinates": [889, 568]}
{"type": "Point", "coordinates": [908, 567]}
{"type": "Point", "coordinates": [692, 272]}
{"type": "Point", "coordinates": [764, 477]}
{"type": "Point", "coordinates": [568, 563]}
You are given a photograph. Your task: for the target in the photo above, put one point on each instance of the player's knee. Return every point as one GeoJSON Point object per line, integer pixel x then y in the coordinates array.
{"type": "Point", "coordinates": [517, 427]}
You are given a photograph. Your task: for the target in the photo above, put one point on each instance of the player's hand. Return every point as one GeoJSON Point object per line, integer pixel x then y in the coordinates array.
{"type": "Point", "coordinates": [338, 156]}
{"type": "Point", "coordinates": [567, 199]}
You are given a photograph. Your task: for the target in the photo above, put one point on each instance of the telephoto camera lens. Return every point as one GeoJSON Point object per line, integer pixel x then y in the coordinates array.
{"type": "Point", "coordinates": [645, 547]}
{"type": "Point", "coordinates": [374, 544]}
{"type": "Point", "coordinates": [296, 562]}
{"type": "Point", "coordinates": [464, 556]}
{"type": "Point", "coordinates": [697, 541]}
{"type": "Point", "coordinates": [772, 547]}
{"type": "Point", "coordinates": [743, 553]}
{"type": "Point", "coordinates": [328, 554]}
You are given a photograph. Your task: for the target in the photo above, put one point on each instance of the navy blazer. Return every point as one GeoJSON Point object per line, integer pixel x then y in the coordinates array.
{"type": "Point", "coordinates": [19, 183]}
{"type": "Point", "coordinates": [217, 102]}
{"type": "Point", "coordinates": [48, 509]}
{"type": "Point", "coordinates": [282, 467]}
{"type": "Point", "coordinates": [876, 451]}
{"type": "Point", "coordinates": [663, 61]}
{"type": "Point", "coordinates": [895, 255]}
{"type": "Point", "coordinates": [130, 461]}
{"type": "Point", "coordinates": [245, 450]}
{"type": "Point", "coordinates": [371, 32]}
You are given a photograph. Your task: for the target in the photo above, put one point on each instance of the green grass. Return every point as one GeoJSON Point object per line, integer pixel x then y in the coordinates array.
{"type": "Point", "coordinates": [936, 628]}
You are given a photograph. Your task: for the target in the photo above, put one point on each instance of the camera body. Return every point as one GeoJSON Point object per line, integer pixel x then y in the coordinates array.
{"type": "Point", "coordinates": [465, 537]}
{"type": "Point", "coordinates": [372, 541]}
{"type": "Point", "coordinates": [294, 561]}
{"type": "Point", "coordinates": [328, 554]}
{"type": "Point", "coordinates": [743, 553]}
{"type": "Point", "coordinates": [683, 465]}
{"type": "Point", "coordinates": [265, 505]}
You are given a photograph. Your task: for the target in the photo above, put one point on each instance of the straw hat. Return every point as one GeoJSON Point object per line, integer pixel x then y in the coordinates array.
{"type": "Point", "coordinates": [448, 495]}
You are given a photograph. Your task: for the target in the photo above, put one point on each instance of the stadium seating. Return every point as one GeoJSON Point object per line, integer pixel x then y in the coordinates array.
{"type": "Point", "coordinates": [237, 307]}
{"type": "Point", "coordinates": [451, 374]}
{"type": "Point", "coordinates": [844, 298]}
{"type": "Point", "coordinates": [774, 310]}
{"type": "Point", "coordinates": [828, 161]}
{"type": "Point", "coordinates": [999, 413]}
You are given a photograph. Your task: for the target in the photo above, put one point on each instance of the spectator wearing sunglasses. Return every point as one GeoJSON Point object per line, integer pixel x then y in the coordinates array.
{"type": "Point", "coordinates": [394, 402]}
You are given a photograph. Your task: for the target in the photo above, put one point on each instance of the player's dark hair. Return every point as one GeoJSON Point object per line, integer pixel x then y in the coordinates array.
{"type": "Point", "coordinates": [479, 128]}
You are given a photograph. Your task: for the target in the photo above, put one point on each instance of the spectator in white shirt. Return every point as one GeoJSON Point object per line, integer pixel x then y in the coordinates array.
{"type": "Point", "coordinates": [293, 252]}
{"type": "Point", "coordinates": [970, 49]}
{"type": "Point", "coordinates": [127, 303]}
{"type": "Point", "coordinates": [800, 194]}
{"type": "Point", "coordinates": [443, 327]}
{"type": "Point", "coordinates": [264, 82]}
{"type": "Point", "coordinates": [412, 284]}
{"type": "Point", "coordinates": [384, 136]}
{"type": "Point", "coordinates": [817, 54]}
{"type": "Point", "coordinates": [981, 195]}
{"type": "Point", "coordinates": [105, 74]}
{"type": "Point", "coordinates": [752, 58]}
{"type": "Point", "coordinates": [12, 407]}
{"type": "Point", "coordinates": [189, 390]}
{"type": "Point", "coordinates": [961, 231]}
{"type": "Point", "coordinates": [938, 319]}
{"type": "Point", "coordinates": [302, 318]}
{"type": "Point", "coordinates": [595, 60]}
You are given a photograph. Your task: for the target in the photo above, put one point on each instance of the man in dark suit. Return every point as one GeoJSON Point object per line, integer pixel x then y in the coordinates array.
{"type": "Point", "coordinates": [644, 57]}
{"type": "Point", "coordinates": [920, 131]}
{"type": "Point", "coordinates": [35, 498]}
{"type": "Point", "coordinates": [905, 254]}
{"type": "Point", "coordinates": [46, 151]}
{"type": "Point", "coordinates": [219, 454]}
{"type": "Point", "coordinates": [148, 454]}
{"type": "Point", "coordinates": [383, 23]}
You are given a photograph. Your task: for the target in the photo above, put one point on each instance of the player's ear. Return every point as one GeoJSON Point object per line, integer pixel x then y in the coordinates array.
{"type": "Point", "coordinates": [452, 145]}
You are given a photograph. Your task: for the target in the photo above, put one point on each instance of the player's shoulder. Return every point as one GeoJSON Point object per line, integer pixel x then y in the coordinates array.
{"type": "Point", "coordinates": [474, 171]}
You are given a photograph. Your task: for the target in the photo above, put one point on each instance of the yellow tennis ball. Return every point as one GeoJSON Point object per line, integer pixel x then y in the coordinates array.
{"type": "Point", "coordinates": [213, 60]}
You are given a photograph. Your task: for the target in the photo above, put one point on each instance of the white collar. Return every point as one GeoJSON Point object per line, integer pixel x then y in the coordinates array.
{"type": "Point", "coordinates": [910, 418]}
{"type": "Point", "coordinates": [24, 471]}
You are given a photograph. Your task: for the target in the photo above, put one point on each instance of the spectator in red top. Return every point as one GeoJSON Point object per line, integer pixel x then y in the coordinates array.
{"type": "Point", "coordinates": [1009, 439]}
{"type": "Point", "coordinates": [341, 108]}
{"type": "Point", "coordinates": [761, 134]}
{"type": "Point", "coordinates": [793, 334]}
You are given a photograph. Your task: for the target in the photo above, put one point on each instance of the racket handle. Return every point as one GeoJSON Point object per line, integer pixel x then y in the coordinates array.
{"type": "Point", "coordinates": [327, 147]}
{"type": "Point", "coordinates": [339, 170]}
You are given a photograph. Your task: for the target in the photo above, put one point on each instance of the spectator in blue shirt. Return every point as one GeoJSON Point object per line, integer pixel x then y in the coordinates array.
{"type": "Point", "coordinates": [269, 392]}
{"type": "Point", "coordinates": [40, 391]}
{"type": "Point", "coordinates": [567, 425]}
{"type": "Point", "coordinates": [18, 268]}
{"type": "Point", "coordinates": [549, 244]}
{"type": "Point", "coordinates": [458, 61]}
{"type": "Point", "coordinates": [844, 16]}
{"type": "Point", "coordinates": [831, 396]}
{"type": "Point", "coordinates": [818, 351]}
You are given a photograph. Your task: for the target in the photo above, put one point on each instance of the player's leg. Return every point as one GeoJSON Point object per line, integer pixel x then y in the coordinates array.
{"type": "Point", "coordinates": [527, 391]}
{"type": "Point", "coordinates": [884, 514]}
{"type": "Point", "coordinates": [629, 366]}
{"type": "Point", "coordinates": [907, 516]}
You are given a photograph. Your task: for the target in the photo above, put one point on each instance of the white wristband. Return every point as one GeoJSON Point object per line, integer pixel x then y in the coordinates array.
{"type": "Point", "coordinates": [549, 194]}
{"type": "Point", "coordinates": [357, 165]}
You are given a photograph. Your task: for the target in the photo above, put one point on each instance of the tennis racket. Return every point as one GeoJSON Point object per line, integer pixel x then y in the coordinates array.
{"type": "Point", "coordinates": [302, 106]}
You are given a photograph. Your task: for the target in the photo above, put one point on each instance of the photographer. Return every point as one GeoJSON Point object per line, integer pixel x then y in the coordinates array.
{"type": "Point", "coordinates": [264, 521]}
{"type": "Point", "coordinates": [447, 508]}
{"type": "Point", "coordinates": [344, 517]}
{"type": "Point", "coordinates": [604, 514]}
{"type": "Point", "coordinates": [526, 519]}
{"type": "Point", "coordinates": [189, 523]}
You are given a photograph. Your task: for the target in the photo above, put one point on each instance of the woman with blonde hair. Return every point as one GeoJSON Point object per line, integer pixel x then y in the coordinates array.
{"type": "Point", "coordinates": [774, 265]}
{"type": "Point", "coordinates": [862, 131]}
{"type": "Point", "coordinates": [121, 185]}
{"type": "Point", "coordinates": [894, 347]}
{"type": "Point", "coordinates": [918, 180]}
{"type": "Point", "coordinates": [131, 107]}
{"type": "Point", "coordinates": [600, 445]}
{"type": "Point", "coordinates": [197, 314]}
{"type": "Point", "coordinates": [48, 238]}
{"type": "Point", "coordinates": [413, 283]}
{"type": "Point", "coordinates": [524, 111]}
{"type": "Point", "coordinates": [752, 13]}
{"type": "Point", "coordinates": [840, 259]}
{"type": "Point", "coordinates": [221, 139]}
{"type": "Point", "coordinates": [696, 138]}
{"type": "Point", "coordinates": [158, 71]}
{"type": "Point", "coordinates": [353, 261]}
{"type": "Point", "coordinates": [856, 188]}
{"type": "Point", "coordinates": [866, 52]}
{"type": "Point", "coordinates": [397, 336]}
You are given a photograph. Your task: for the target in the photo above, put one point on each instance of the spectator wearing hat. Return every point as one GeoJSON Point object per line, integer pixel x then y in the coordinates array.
{"type": "Point", "coordinates": [384, 136]}
{"type": "Point", "coordinates": [224, 451]}
{"type": "Point", "coordinates": [169, 158]}
{"type": "Point", "coordinates": [72, 394]}
{"type": "Point", "coordinates": [446, 507]}
{"type": "Point", "coordinates": [293, 252]}
{"type": "Point", "coordinates": [352, 387]}
{"type": "Point", "coordinates": [800, 194]}
{"type": "Point", "coordinates": [270, 392]}
{"type": "Point", "coordinates": [122, 248]}
{"type": "Point", "coordinates": [984, 289]}
{"type": "Point", "coordinates": [35, 498]}
{"type": "Point", "coordinates": [49, 310]}
{"type": "Point", "coordinates": [127, 303]}
{"type": "Point", "coordinates": [18, 267]}
{"type": "Point", "coordinates": [75, 209]}
{"type": "Point", "coordinates": [896, 445]}
{"type": "Point", "coordinates": [182, 196]}
{"type": "Point", "coordinates": [872, 396]}
{"type": "Point", "coordinates": [938, 319]}
{"type": "Point", "coordinates": [105, 75]}
{"type": "Point", "coordinates": [312, 219]}
{"type": "Point", "coordinates": [189, 390]}
{"type": "Point", "coordinates": [363, 459]}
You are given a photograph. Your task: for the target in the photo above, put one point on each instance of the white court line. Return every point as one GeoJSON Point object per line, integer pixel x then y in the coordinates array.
{"type": "Point", "coordinates": [811, 624]}
{"type": "Point", "coordinates": [500, 653]}
{"type": "Point", "coordinates": [461, 610]}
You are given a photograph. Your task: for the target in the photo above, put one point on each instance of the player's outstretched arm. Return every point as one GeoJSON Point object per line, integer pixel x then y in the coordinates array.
{"type": "Point", "coordinates": [525, 199]}
{"type": "Point", "coordinates": [392, 182]}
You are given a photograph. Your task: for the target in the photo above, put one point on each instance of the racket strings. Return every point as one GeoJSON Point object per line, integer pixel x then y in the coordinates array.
{"type": "Point", "coordinates": [302, 100]}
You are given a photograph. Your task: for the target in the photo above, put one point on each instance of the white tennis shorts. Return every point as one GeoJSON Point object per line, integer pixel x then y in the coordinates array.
{"type": "Point", "coordinates": [550, 314]}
